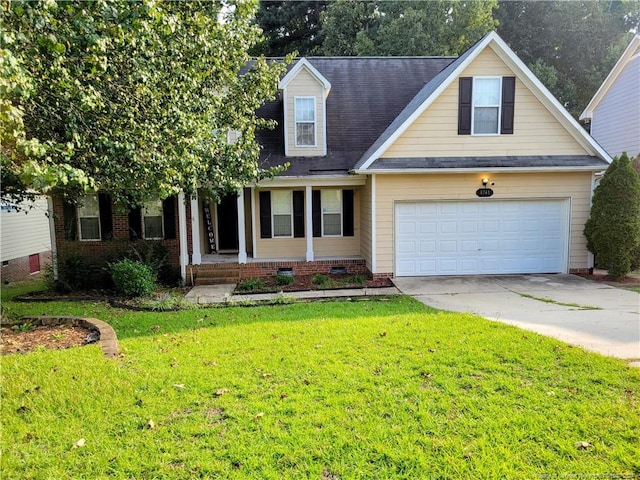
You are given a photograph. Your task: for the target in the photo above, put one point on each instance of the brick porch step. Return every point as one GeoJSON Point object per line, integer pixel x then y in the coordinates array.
{"type": "Point", "coordinates": [216, 274]}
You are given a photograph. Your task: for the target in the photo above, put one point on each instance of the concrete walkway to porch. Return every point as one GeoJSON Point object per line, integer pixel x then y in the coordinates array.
{"type": "Point", "coordinates": [208, 294]}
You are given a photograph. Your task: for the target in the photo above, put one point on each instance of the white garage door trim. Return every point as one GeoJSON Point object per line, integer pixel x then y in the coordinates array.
{"type": "Point", "coordinates": [474, 237]}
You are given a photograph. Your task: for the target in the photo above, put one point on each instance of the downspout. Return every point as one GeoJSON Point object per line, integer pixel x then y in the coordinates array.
{"type": "Point", "coordinates": [52, 235]}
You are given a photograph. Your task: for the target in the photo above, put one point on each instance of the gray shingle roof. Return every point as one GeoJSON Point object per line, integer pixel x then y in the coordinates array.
{"type": "Point", "coordinates": [548, 161]}
{"type": "Point", "coordinates": [367, 94]}
{"type": "Point", "coordinates": [413, 105]}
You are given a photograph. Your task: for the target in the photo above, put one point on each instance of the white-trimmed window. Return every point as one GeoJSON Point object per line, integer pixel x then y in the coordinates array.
{"type": "Point", "coordinates": [152, 227]}
{"type": "Point", "coordinates": [89, 217]}
{"type": "Point", "coordinates": [486, 105]}
{"type": "Point", "coordinates": [331, 201]}
{"type": "Point", "coordinates": [282, 213]}
{"type": "Point", "coordinates": [305, 120]}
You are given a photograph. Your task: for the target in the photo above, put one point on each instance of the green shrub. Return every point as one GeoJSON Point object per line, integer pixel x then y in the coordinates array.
{"type": "Point", "coordinates": [283, 280]}
{"type": "Point", "coordinates": [252, 285]}
{"type": "Point", "coordinates": [357, 279]}
{"type": "Point", "coordinates": [613, 227]}
{"type": "Point", "coordinates": [77, 272]}
{"type": "Point", "coordinates": [322, 280]}
{"type": "Point", "coordinates": [133, 279]}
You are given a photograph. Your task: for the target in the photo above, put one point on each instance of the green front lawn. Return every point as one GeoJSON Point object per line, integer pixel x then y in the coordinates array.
{"type": "Point", "coordinates": [350, 390]}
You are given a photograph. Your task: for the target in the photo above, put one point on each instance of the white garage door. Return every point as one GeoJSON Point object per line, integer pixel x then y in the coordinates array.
{"type": "Point", "coordinates": [481, 237]}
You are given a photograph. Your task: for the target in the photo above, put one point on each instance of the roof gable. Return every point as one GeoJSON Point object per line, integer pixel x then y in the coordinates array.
{"type": "Point", "coordinates": [632, 51]}
{"type": "Point", "coordinates": [375, 89]}
{"type": "Point", "coordinates": [303, 63]}
{"type": "Point", "coordinates": [435, 87]}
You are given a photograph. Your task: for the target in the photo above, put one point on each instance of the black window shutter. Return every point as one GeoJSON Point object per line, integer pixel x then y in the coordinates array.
{"type": "Point", "coordinates": [135, 223]}
{"type": "Point", "coordinates": [347, 213]}
{"type": "Point", "coordinates": [316, 213]}
{"type": "Point", "coordinates": [106, 219]}
{"type": "Point", "coordinates": [465, 94]}
{"type": "Point", "coordinates": [70, 221]}
{"type": "Point", "coordinates": [265, 214]}
{"type": "Point", "coordinates": [298, 214]}
{"type": "Point", "coordinates": [508, 101]}
{"type": "Point", "coordinates": [169, 217]}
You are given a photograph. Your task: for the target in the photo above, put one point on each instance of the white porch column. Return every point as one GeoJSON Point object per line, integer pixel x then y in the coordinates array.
{"type": "Point", "coordinates": [196, 257]}
{"type": "Point", "coordinates": [182, 223]}
{"type": "Point", "coordinates": [374, 247]}
{"type": "Point", "coordinates": [254, 235]}
{"type": "Point", "coordinates": [242, 242]}
{"type": "Point", "coordinates": [308, 231]}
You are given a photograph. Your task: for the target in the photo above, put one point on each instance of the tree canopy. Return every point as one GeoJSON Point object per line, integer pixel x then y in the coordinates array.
{"type": "Point", "coordinates": [290, 26]}
{"type": "Point", "coordinates": [135, 98]}
{"type": "Point", "coordinates": [570, 46]}
{"type": "Point", "coordinates": [442, 27]}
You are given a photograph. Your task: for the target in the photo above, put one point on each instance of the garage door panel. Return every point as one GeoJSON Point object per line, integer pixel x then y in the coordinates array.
{"type": "Point", "coordinates": [428, 247]}
{"type": "Point", "coordinates": [469, 246]}
{"type": "Point", "coordinates": [448, 246]}
{"type": "Point", "coordinates": [481, 237]}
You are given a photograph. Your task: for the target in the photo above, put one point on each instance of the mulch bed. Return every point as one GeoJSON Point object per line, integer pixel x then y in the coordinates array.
{"type": "Point", "coordinates": [24, 338]}
{"type": "Point", "coordinates": [305, 283]}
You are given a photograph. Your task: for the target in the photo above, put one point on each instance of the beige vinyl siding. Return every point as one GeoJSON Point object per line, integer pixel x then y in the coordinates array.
{"type": "Point", "coordinates": [365, 223]}
{"type": "Point", "coordinates": [296, 248]}
{"type": "Point", "coordinates": [391, 188]}
{"type": "Point", "coordinates": [281, 248]}
{"type": "Point", "coordinates": [304, 85]}
{"type": "Point", "coordinates": [24, 234]}
{"type": "Point", "coordinates": [341, 246]}
{"type": "Point", "coordinates": [435, 132]}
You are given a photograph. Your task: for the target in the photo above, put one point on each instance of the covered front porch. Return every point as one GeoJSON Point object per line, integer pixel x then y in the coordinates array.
{"type": "Point", "coordinates": [224, 240]}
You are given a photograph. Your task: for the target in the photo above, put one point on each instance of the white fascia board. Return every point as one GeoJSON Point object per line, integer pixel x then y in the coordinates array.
{"type": "Point", "coordinates": [525, 76]}
{"type": "Point", "coordinates": [626, 57]}
{"type": "Point", "coordinates": [428, 101]}
{"type": "Point", "coordinates": [315, 181]}
{"type": "Point", "coordinates": [432, 171]}
{"type": "Point", "coordinates": [300, 64]}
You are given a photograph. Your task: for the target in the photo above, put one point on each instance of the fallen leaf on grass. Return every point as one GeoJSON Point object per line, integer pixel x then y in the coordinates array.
{"type": "Point", "coordinates": [221, 391]}
{"type": "Point", "coordinates": [259, 415]}
{"type": "Point", "coordinates": [80, 443]}
{"type": "Point", "coordinates": [179, 386]}
{"type": "Point", "coordinates": [582, 445]}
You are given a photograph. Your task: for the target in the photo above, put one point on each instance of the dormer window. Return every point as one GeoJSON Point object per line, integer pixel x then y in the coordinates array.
{"type": "Point", "coordinates": [305, 119]}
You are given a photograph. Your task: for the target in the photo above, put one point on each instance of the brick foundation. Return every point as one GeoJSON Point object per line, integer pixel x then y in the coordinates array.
{"type": "Point", "coordinates": [17, 269]}
{"type": "Point", "coordinates": [267, 269]}
{"type": "Point", "coordinates": [580, 271]}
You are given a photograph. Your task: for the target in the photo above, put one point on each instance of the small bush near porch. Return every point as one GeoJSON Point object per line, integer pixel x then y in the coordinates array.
{"type": "Point", "coordinates": [339, 390]}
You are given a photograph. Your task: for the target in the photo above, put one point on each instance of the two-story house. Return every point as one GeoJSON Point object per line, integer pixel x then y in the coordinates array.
{"type": "Point", "coordinates": [400, 166]}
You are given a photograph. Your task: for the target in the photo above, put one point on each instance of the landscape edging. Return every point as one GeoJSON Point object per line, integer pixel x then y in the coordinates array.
{"type": "Point", "coordinates": [108, 340]}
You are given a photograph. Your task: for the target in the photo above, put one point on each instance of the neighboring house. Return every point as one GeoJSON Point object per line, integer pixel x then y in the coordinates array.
{"type": "Point", "coordinates": [614, 111]}
{"type": "Point", "coordinates": [400, 166]}
{"type": "Point", "coordinates": [25, 240]}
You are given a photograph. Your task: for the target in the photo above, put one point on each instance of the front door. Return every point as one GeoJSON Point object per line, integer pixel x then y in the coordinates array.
{"type": "Point", "coordinates": [227, 214]}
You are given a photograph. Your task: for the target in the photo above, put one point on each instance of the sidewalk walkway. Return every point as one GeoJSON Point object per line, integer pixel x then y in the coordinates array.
{"type": "Point", "coordinates": [207, 294]}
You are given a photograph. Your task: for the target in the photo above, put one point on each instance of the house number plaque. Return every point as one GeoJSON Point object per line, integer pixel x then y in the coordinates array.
{"type": "Point", "coordinates": [484, 192]}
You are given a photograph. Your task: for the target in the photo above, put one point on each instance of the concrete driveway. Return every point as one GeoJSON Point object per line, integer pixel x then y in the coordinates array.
{"type": "Point", "coordinates": [595, 316]}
